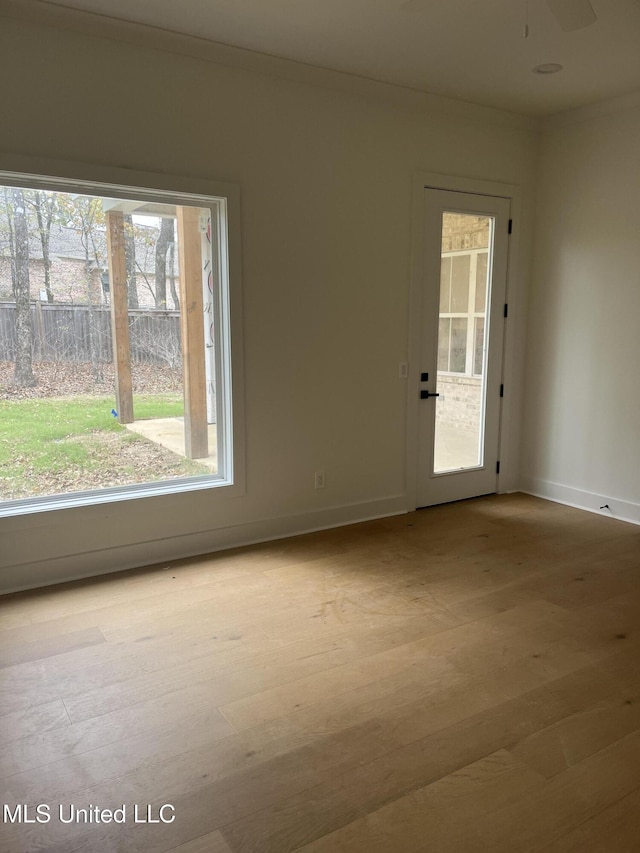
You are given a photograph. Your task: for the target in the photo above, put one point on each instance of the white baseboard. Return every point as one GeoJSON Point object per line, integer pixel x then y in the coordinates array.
{"type": "Point", "coordinates": [120, 558]}
{"type": "Point", "coordinates": [581, 499]}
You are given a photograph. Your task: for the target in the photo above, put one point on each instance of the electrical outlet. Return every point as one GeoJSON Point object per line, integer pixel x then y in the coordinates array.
{"type": "Point", "coordinates": [403, 370]}
{"type": "Point", "coordinates": [319, 480]}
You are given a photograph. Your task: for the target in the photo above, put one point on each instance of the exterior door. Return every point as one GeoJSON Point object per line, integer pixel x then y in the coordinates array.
{"type": "Point", "coordinates": [462, 330]}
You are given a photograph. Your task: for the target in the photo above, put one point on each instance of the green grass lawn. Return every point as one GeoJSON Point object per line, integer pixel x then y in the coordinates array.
{"type": "Point", "coordinates": [49, 441]}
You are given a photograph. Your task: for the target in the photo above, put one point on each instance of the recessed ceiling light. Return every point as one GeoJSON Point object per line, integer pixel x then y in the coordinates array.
{"type": "Point", "coordinates": [548, 68]}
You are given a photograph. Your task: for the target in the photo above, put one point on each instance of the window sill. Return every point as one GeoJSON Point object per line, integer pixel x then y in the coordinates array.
{"type": "Point", "coordinates": [34, 506]}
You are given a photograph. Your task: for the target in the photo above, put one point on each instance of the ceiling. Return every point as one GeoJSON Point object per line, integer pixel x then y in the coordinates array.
{"type": "Point", "coordinates": [473, 50]}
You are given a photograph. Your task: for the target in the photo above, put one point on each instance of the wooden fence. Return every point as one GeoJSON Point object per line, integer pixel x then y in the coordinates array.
{"type": "Point", "coordinates": [82, 333]}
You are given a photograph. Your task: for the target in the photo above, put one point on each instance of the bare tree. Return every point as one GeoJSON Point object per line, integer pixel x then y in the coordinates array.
{"type": "Point", "coordinates": [157, 340]}
{"type": "Point", "coordinates": [86, 214]}
{"type": "Point", "coordinates": [23, 374]}
{"type": "Point", "coordinates": [172, 273]}
{"type": "Point", "coordinates": [130, 260]}
{"type": "Point", "coordinates": [44, 205]}
{"type": "Point", "coordinates": [8, 206]}
{"type": "Point", "coordinates": [146, 238]}
{"type": "Point", "coordinates": [165, 237]}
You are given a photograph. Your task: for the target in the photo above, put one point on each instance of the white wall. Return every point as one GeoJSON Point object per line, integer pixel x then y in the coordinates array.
{"type": "Point", "coordinates": [582, 442]}
{"type": "Point", "coordinates": [326, 179]}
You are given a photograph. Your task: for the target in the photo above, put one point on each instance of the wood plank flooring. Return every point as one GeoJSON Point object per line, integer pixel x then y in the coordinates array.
{"type": "Point", "coordinates": [463, 678]}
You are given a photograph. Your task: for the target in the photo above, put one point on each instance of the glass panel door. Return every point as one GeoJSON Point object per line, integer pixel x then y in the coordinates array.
{"type": "Point", "coordinates": [462, 328]}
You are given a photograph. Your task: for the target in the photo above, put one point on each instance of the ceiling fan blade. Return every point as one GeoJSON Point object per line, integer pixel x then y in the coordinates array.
{"type": "Point", "coordinates": [572, 14]}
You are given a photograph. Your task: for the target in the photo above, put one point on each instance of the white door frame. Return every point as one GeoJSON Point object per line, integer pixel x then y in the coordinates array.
{"type": "Point", "coordinates": [507, 453]}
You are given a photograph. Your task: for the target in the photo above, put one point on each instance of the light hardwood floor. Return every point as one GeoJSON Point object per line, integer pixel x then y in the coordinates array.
{"type": "Point", "coordinates": [464, 678]}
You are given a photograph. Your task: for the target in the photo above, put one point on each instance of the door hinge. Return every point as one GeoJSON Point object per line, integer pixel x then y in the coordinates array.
{"type": "Point", "coordinates": [497, 467]}
{"type": "Point", "coordinates": [510, 226]}
{"type": "Point", "coordinates": [502, 390]}
{"type": "Point", "coordinates": [506, 310]}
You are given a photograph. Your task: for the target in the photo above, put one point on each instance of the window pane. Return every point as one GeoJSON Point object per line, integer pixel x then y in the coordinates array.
{"type": "Point", "coordinates": [95, 351]}
{"type": "Point", "coordinates": [481, 283]}
{"type": "Point", "coordinates": [478, 356]}
{"type": "Point", "coordinates": [458, 355]}
{"type": "Point", "coordinates": [444, 328]}
{"type": "Point", "coordinates": [460, 284]}
{"type": "Point", "coordinates": [445, 285]}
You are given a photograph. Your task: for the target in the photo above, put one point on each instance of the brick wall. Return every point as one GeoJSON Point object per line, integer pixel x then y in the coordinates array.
{"type": "Point", "coordinates": [462, 231]}
{"type": "Point", "coordinates": [69, 284]}
{"type": "Point", "coordinates": [460, 402]}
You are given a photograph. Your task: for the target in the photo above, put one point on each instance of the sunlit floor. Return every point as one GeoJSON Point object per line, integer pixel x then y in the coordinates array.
{"type": "Point", "coordinates": [169, 432]}
{"type": "Point", "coordinates": [463, 679]}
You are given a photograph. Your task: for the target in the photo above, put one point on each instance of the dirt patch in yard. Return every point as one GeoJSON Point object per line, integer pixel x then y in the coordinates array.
{"type": "Point", "coordinates": [67, 378]}
{"type": "Point", "coordinates": [114, 459]}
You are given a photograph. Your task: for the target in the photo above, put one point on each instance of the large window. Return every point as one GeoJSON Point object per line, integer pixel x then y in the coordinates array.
{"type": "Point", "coordinates": [115, 345]}
{"type": "Point", "coordinates": [463, 294]}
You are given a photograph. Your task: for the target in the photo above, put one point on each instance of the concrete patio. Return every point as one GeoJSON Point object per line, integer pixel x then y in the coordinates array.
{"type": "Point", "coordinates": [169, 433]}
{"type": "Point", "coordinates": [455, 448]}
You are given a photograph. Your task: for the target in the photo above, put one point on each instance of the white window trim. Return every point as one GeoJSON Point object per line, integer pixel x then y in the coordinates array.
{"type": "Point", "coordinates": [224, 199]}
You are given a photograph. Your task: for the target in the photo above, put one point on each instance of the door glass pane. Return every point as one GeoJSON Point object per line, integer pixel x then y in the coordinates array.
{"type": "Point", "coordinates": [443, 343]}
{"type": "Point", "coordinates": [464, 294]}
{"type": "Point", "coordinates": [481, 281]}
{"type": "Point", "coordinates": [445, 282]}
{"type": "Point", "coordinates": [460, 265]}
{"type": "Point", "coordinates": [478, 349]}
{"type": "Point", "coordinates": [458, 345]}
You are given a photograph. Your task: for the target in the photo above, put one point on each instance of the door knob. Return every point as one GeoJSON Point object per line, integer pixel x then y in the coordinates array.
{"type": "Point", "coordinates": [424, 395]}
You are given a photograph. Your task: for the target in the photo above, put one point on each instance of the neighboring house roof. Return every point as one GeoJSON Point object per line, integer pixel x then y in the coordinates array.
{"type": "Point", "coordinates": [66, 242]}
